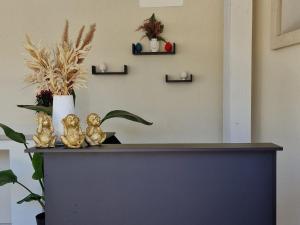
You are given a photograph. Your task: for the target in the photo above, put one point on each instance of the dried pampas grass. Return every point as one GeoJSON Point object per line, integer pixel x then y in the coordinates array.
{"type": "Point", "coordinates": [59, 71]}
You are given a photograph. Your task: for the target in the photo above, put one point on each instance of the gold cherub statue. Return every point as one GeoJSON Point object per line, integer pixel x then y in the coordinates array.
{"type": "Point", "coordinates": [73, 136]}
{"type": "Point", "coordinates": [94, 134]}
{"type": "Point", "coordinates": [44, 137]}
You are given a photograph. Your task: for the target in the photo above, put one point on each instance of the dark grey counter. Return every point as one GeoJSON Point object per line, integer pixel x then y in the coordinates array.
{"type": "Point", "coordinates": [166, 148]}
{"type": "Point", "coordinates": [163, 184]}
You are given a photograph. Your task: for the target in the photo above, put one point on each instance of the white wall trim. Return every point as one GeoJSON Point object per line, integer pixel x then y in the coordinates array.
{"type": "Point", "coordinates": [237, 77]}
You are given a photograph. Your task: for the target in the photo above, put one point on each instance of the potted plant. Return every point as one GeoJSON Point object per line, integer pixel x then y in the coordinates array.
{"type": "Point", "coordinates": [59, 71]}
{"type": "Point", "coordinates": [8, 176]}
{"type": "Point", "coordinates": [153, 29]}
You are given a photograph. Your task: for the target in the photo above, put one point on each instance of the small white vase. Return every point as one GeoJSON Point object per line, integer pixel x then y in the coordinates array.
{"type": "Point", "coordinates": [154, 45]}
{"type": "Point", "coordinates": [63, 105]}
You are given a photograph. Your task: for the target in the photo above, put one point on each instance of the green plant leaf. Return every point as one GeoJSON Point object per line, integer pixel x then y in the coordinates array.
{"type": "Point", "coordinates": [74, 96]}
{"type": "Point", "coordinates": [38, 166]}
{"type": "Point", "coordinates": [29, 198]}
{"type": "Point", "coordinates": [125, 115]}
{"type": "Point", "coordinates": [13, 135]}
{"type": "Point", "coordinates": [7, 176]}
{"type": "Point", "coordinates": [160, 38]}
{"type": "Point", "coordinates": [38, 108]}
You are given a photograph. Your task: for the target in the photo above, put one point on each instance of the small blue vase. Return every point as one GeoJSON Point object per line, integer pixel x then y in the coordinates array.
{"type": "Point", "coordinates": [138, 47]}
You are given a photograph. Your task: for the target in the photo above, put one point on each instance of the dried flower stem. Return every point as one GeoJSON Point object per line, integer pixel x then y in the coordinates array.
{"type": "Point", "coordinates": [59, 71]}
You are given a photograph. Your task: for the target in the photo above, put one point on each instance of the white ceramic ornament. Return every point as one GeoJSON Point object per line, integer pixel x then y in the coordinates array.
{"type": "Point", "coordinates": [184, 75]}
{"type": "Point", "coordinates": [102, 67]}
{"type": "Point", "coordinates": [154, 45]}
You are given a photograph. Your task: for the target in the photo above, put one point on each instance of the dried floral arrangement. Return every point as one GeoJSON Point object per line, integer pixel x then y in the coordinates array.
{"type": "Point", "coordinates": [60, 70]}
{"type": "Point", "coordinates": [152, 28]}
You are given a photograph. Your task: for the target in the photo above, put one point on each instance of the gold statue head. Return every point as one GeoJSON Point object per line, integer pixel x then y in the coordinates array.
{"type": "Point", "coordinates": [71, 120]}
{"type": "Point", "coordinates": [44, 119]}
{"type": "Point", "coordinates": [93, 120]}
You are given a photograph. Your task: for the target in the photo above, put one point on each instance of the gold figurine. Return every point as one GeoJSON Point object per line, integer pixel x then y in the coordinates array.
{"type": "Point", "coordinates": [94, 134]}
{"type": "Point", "coordinates": [73, 136]}
{"type": "Point", "coordinates": [44, 137]}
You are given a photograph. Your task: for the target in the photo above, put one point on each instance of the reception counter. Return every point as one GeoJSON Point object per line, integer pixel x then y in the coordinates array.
{"type": "Point", "coordinates": [161, 184]}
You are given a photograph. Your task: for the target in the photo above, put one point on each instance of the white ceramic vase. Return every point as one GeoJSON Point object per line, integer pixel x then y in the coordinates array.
{"type": "Point", "coordinates": [154, 45]}
{"type": "Point", "coordinates": [63, 105]}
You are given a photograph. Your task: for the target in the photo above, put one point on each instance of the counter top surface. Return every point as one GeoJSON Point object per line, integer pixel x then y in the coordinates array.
{"type": "Point", "coordinates": [165, 148]}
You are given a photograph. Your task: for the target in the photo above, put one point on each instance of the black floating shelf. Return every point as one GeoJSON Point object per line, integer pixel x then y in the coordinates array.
{"type": "Point", "coordinates": [95, 72]}
{"type": "Point", "coordinates": [190, 79]}
{"type": "Point", "coordinates": [173, 52]}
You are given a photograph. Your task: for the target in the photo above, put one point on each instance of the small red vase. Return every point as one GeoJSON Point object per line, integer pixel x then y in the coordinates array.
{"type": "Point", "coordinates": [168, 47]}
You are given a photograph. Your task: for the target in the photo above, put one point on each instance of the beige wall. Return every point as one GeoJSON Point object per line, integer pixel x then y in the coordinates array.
{"type": "Point", "coordinates": [181, 113]}
{"type": "Point", "coordinates": [276, 90]}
